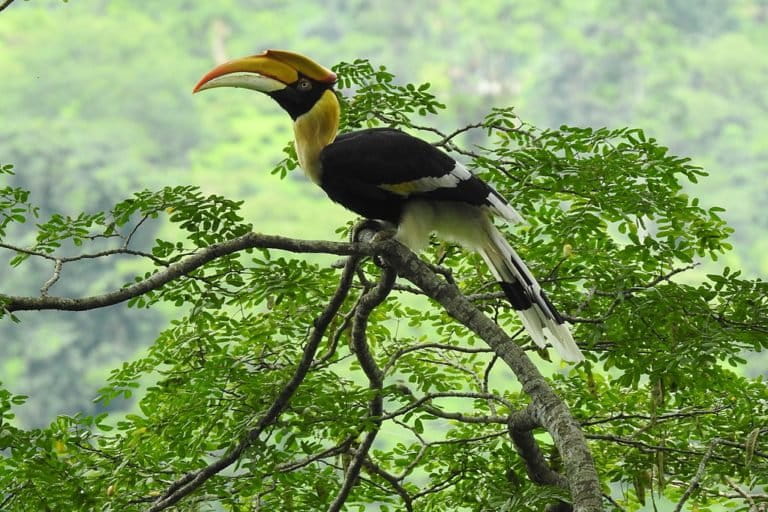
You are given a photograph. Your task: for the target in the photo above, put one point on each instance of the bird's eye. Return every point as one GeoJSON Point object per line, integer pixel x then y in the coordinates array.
{"type": "Point", "coordinates": [304, 85]}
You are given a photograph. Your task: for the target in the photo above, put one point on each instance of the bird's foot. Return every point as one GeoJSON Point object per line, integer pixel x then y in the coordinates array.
{"type": "Point", "coordinates": [367, 229]}
{"type": "Point", "coordinates": [373, 231]}
{"type": "Point", "coordinates": [387, 233]}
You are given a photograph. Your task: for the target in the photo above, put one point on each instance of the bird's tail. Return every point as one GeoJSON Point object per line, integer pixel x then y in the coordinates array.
{"type": "Point", "coordinates": [539, 316]}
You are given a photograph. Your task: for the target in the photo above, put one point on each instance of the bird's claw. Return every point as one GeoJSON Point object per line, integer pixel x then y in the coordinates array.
{"type": "Point", "coordinates": [373, 231]}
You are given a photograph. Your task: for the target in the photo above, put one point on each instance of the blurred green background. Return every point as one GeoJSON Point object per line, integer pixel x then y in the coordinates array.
{"type": "Point", "coordinates": [95, 103]}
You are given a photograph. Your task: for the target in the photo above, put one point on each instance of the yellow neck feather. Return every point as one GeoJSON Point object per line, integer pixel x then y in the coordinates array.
{"type": "Point", "coordinates": [314, 130]}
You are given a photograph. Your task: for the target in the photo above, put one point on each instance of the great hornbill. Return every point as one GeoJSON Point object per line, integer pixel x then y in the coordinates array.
{"type": "Point", "coordinates": [387, 175]}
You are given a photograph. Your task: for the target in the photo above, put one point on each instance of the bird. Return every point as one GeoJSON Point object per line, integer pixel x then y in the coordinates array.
{"type": "Point", "coordinates": [397, 179]}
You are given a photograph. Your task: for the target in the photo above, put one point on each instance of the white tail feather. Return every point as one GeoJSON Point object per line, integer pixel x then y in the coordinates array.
{"type": "Point", "coordinates": [540, 324]}
{"type": "Point", "coordinates": [533, 326]}
{"type": "Point", "coordinates": [564, 343]}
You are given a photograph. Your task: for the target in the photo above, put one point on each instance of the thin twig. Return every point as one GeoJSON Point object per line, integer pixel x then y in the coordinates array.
{"type": "Point", "coordinates": [486, 378]}
{"type": "Point", "coordinates": [134, 230]}
{"type": "Point", "coordinates": [749, 499]}
{"type": "Point", "coordinates": [50, 282]}
{"type": "Point", "coordinates": [651, 448]}
{"type": "Point", "coordinates": [755, 453]}
{"type": "Point", "coordinates": [696, 481]}
{"type": "Point", "coordinates": [85, 256]}
{"type": "Point", "coordinates": [335, 337]}
{"type": "Point", "coordinates": [449, 481]}
{"type": "Point", "coordinates": [613, 502]}
{"type": "Point", "coordinates": [7, 500]}
{"type": "Point", "coordinates": [419, 402]}
{"type": "Point", "coordinates": [392, 480]}
{"type": "Point", "coordinates": [431, 346]}
{"type": "Point", "coordinates": [330, 452]}
{"type": "Point", "coordinates": [729, 495]}
{"type": "Point", "coordinates": [449, 137]}
{"type": "Point", "coordinates": [650, 284]}
{"type": "Point", "coordinates": [661, 417]}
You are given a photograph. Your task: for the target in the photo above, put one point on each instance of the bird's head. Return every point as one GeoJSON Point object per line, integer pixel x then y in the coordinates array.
{"type": "Point", "coordinates": [296, 82]}
{"type": "Point", "coordinates": [301, 86]}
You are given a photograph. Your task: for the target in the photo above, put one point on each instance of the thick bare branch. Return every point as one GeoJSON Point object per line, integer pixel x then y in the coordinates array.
{"type": "Point", "coordinates": [546, 406]}
{"type": "Point", "coordinates": [535, 464]}
{"type": "Point", "coordinates": [12, 303]}
{"type": "Point", "coordinates": [520, 426]}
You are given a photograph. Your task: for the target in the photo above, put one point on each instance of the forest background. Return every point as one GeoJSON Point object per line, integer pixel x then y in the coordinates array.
{"type": "Point", "coordinates": [95, 103]}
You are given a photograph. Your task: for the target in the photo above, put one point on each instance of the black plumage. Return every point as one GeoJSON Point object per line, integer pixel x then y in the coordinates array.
{"type": "Point", "coordinates": [361, 169]}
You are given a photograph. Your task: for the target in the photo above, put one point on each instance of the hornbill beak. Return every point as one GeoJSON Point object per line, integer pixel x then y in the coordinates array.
{"type": "Point", "coordinates": [267, 72]}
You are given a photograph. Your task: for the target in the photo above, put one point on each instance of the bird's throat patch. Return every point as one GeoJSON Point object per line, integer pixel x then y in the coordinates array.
{"type": "Point", "coordinates": [314, 130]}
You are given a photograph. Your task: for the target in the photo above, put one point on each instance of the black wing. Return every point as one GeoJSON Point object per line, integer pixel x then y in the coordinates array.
{"type": "Point", "coordinates": [373, 172]}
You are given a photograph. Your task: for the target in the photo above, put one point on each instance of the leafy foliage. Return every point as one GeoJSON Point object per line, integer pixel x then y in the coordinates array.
{"type": "Point", "coordinates": [609, 226]}
{"type": "Point", "coordinates": [91, 115]}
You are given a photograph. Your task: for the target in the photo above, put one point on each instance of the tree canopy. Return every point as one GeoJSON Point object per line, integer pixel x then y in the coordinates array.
{"type": "Point", "coordinates": [297, 383]}
{"type": "Point", "coordinates": [97, 93]}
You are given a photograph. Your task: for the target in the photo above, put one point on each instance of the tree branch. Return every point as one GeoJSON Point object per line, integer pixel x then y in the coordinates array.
{"type": "Point", "coordinates": [330, 452]}
{"type": "Point", "coordinates": [740, 494]}
{"type": "Point", "coordinates": [427, 346]}
{"type": "Point", "coordinates": [521, 427]}
{"type": "Point", "coordinates": [651, 448]}
{"type": "Point", "coordinates": [749, 498]}
{"type": "Point", "coordinates": [662, 417]}
{"type": "Point", "coordinates": [374, 468]}
{"type": "Point", "coordinates": [621, 295]}
{"type": "Point", "coordinates": [55, 277]}
{"type": "Point", "coordinates": [367, 303]}
{"type": "Point", "coordinates": [696, 481]}
{"type": "Point", "coordinates": [546, 406]}
{"type": "Point", "coordinates": [191, 481]}
{"type": "Point", "coordinates": [85, 256]}
{"type": "Point", "coordinates": [5, 4]}
{"type": "Point", "coordinates": [434, 411]}
{"type": "Point", "coordinates": [613, 502]}
{"type": "Point", "coordinates": [12, 303]}
{"type": "Point", "coordinates": [447, 482]}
